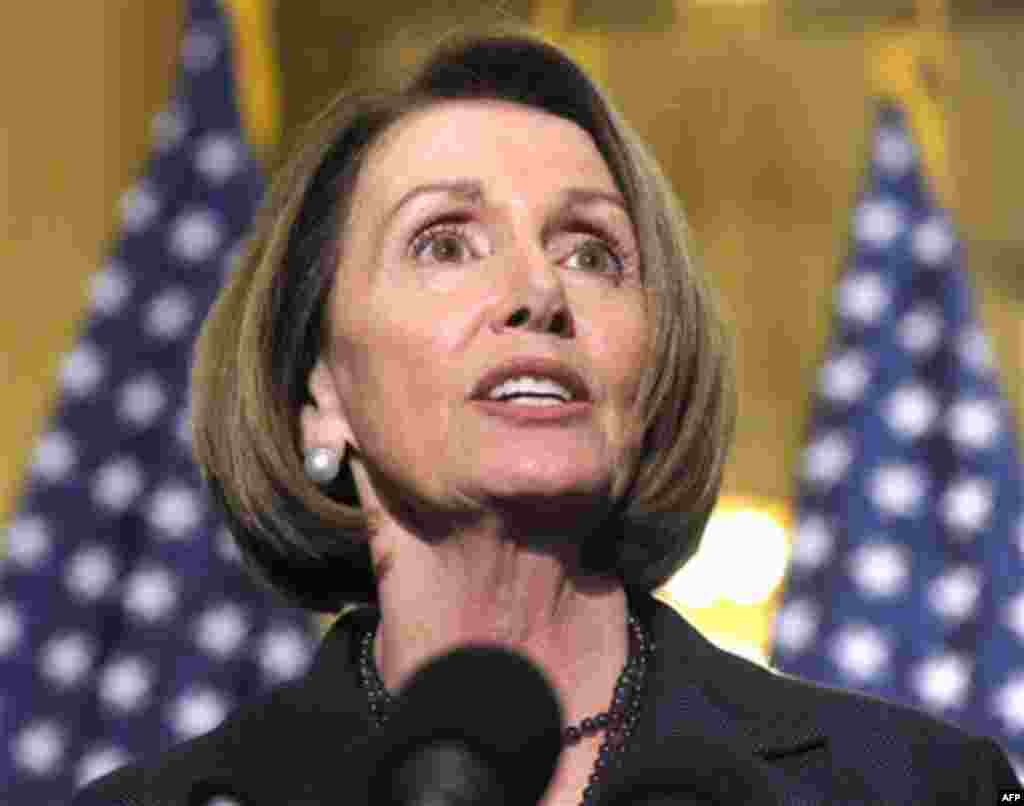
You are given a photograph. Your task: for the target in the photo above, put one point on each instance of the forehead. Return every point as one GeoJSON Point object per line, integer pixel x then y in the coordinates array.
{"type": "Point", "coordinates": [483, 137]}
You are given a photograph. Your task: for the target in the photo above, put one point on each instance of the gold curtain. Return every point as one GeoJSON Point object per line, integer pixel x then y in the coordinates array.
{"type": "Point", "coordinates": [257, 72]}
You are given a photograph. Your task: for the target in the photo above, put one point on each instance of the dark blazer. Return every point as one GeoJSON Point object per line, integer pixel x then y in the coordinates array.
{"type": "Point", "coordinates": [735, 731]}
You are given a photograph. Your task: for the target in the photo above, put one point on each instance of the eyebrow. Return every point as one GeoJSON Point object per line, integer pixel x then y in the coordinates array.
{"type": "Point", "coordinates": [471, 191]}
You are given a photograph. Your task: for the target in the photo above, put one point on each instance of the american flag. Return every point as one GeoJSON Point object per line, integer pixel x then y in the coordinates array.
{"type": "Point", "coordinates": [907, 578]}
{"type": "Point", "coordinates": [126, 621]}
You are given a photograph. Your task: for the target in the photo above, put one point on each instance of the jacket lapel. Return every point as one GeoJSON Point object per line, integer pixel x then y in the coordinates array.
{"type": "Point", "coordinates": [706, 708]}
{"type": "Point", "coordinates": [738, 696]}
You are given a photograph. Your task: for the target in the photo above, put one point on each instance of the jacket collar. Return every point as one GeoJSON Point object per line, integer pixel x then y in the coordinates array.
{"type": "Point", "coordinates": [693, 681]}
{"type": "Point", "coordinates": [706, 713]}
{"type": "Point", "coordinates": [694, 688]}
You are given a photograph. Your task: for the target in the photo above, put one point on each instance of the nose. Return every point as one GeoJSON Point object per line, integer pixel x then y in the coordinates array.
{"type": "Point", "coordinates": [534, 299]}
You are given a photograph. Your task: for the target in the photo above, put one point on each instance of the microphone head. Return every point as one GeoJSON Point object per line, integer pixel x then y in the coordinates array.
{"type": "Point", "coordinates": [216, 791]}
{"type": "Point", "coordinates": [478, 702]}
{"type": "Point", "coordinates": [446, 773]}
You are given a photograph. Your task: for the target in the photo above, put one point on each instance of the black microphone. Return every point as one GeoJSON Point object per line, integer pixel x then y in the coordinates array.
{"type": "Point", "coordinates": [216, 791]}
{"type": "Point", "coordinates": [480, 725]}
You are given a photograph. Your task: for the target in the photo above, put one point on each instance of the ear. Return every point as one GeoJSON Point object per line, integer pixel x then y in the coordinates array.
{"type": "Point", "coordinates": [323, 423]}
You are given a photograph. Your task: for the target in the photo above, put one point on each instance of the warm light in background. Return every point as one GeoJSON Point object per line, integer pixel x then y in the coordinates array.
{"type": "Point", "coordinates": [730, 588]}
{"type": "Point", "coordinates": [742, 559]}
{"type": "Point", "coordinates": [713, 3]}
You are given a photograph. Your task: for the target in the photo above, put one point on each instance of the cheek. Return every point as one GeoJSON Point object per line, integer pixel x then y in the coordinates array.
{"type": "Point", "coordinates": [408, 377]}
{"type": "Point", "coordinates": [399, 412]}
{"type": "Point", "coordinates": [622, 345]}
{"type": "Point", "coordinates": [411, 354]}
{"type": "Point", "coordinates": [627, 359]}
{"type": "Point", "coordinates": [426, 327]}
{"type": "Point", "coordinates": [621, 338]}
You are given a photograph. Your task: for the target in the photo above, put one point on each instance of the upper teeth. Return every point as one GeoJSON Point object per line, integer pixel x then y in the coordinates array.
{"type": "Point", "coordinates": [530, 385]}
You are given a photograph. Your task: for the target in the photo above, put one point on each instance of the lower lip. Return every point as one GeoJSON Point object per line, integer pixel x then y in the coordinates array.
{"type": "Point", "coordinates": [519, 413]}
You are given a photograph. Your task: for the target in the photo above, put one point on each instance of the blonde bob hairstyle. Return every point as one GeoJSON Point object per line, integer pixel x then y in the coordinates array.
{"type": "Point", "coordinates": [261, 339]}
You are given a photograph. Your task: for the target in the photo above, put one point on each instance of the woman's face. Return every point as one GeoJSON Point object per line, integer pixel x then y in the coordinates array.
{"type": "Point", "coordinates": [465, 214]}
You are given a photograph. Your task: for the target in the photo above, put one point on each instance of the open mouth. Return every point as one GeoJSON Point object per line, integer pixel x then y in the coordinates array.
{"type": "Point", "coordinates": [532, 382]}
{"type": "Point", "coordinates": [533, 400]}
{"type": "Point", "coordinates": [525, 409]}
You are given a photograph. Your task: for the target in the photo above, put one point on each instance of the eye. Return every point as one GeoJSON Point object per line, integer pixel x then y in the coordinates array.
{"type": "Point", "coordinates": [444, 243]}
{"type": "Point", "coordinates": [603, 255]}
{"type": "Point", "coordinates": [595, 255]}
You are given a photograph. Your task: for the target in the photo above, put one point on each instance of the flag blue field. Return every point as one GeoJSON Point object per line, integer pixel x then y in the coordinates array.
{"type": "Point", "coordinates": [126, 620]}
{"type": "Point", "coordinates": [907, 579]}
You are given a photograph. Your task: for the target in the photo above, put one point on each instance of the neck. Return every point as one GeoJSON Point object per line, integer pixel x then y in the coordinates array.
{"type": "Point", "coordinates": [437, 596]}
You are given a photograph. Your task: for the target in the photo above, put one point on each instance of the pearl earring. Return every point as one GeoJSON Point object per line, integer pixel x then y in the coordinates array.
{"type": "Point", "coordinates": [322, 464]}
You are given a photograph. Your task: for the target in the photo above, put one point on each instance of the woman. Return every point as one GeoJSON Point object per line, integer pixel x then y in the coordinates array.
{"type": "Point", "coordinates": [469, 377]}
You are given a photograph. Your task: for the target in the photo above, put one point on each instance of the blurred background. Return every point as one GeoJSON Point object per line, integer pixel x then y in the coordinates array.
{"type": "Point", "coordinates": [759, 110]}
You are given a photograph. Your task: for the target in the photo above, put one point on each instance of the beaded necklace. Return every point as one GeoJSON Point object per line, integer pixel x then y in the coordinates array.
{"type": "Point", "coordinates": [618, 722]}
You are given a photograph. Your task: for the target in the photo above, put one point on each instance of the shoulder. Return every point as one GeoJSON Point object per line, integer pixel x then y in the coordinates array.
{"type": "Point", "coordinates": [219, 760]}
{"type": "Point", "coordinates": [168, 777]}
{"type": "Point", "coordinates": [865, 738]}
{"type": "Point", "coordinates": [282, 742]}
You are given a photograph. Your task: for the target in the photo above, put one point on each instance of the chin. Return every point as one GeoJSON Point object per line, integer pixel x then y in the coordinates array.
{"type": "Point", "coordinates": [550, 491]}
{"type": "Point", "coordinates": [547, 473]}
